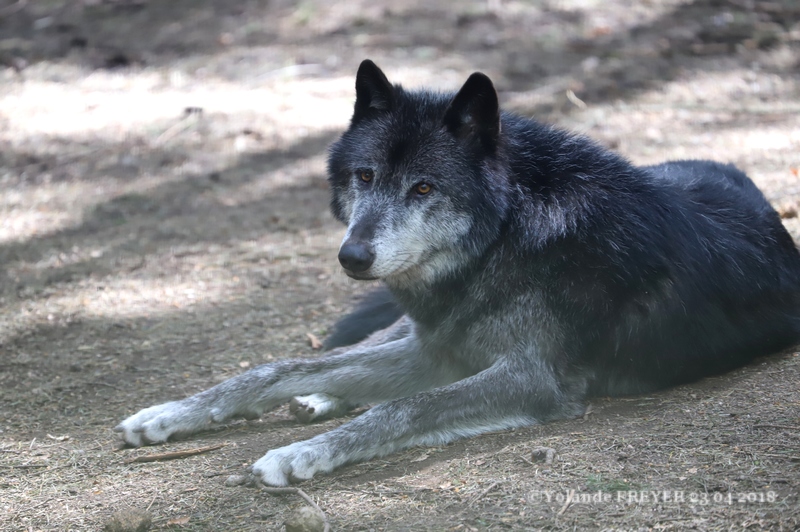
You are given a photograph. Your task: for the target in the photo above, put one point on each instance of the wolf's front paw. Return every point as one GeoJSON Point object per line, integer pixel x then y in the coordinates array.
{"type": "Point", "coordinates": [317, 406]}
{"type": "Point", "coordinates": [157, 423]}
{"type": "Point", "coordinates": [298, 461]}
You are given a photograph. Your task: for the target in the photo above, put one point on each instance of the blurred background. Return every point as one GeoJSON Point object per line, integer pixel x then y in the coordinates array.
{"type": "Point", "coordinates": [163, 202]}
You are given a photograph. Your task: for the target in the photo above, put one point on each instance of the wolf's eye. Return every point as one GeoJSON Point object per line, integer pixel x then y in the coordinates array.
{"type": "Point", "coordinates": [422, 188]}
{"type": "Point", "coordinates": [366, 175]}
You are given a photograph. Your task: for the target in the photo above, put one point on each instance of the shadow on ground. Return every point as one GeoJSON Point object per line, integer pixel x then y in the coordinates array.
{"type": "Point", "coordinates": [535, 48]}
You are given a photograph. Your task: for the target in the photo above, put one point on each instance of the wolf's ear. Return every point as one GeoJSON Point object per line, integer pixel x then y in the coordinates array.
{"type": "Point", "coordinates": [373, 90]}
{"type": "Point", "coordinates": [475, 112]}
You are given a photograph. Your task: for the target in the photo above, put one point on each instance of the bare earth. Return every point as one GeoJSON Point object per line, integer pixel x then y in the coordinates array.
{"type": "Point", "coordinates": [164, 226]}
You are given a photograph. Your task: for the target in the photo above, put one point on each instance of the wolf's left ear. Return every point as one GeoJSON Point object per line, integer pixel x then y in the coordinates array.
{"type": "Point", "coordinates": [475, 112]}
{"type": "Point", "coordinates": [373, 90]}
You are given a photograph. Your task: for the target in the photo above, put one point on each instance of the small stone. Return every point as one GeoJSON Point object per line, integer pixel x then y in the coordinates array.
{"type": "Point", "coordinates": [129, 520]}
{"type": "Point", "coordinates": [306, 519]}
{"type": "Point", "coordinates": [236, 480]}
{"type": "Point", "coordinates": [543, 454]}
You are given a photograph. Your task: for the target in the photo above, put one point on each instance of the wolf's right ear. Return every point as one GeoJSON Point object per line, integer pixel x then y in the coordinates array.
{"type": "Point", "coordinates": [373, 90]}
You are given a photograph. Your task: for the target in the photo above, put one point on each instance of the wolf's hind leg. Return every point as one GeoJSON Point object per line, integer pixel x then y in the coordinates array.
{"type": "Point", "coordinates": [318, 406]}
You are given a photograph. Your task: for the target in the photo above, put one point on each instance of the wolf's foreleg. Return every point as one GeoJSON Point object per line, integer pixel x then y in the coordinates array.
{"type": "Point", "coordinates": [511, 393]}
{"type": "Point", "coordinates": [367, 372]}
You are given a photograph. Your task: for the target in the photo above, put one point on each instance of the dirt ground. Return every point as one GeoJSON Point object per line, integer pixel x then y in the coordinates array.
{"type": "Point", "coordinates": [164, 226]}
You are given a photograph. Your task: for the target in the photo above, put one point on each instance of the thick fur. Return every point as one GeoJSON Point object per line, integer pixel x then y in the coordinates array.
{"type": "Point", "coordinates": [534, 268]}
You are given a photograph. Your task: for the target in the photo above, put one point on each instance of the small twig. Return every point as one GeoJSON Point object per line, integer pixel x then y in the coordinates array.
{"type": "Point", "coordinates": [314, 341]}
{"type": "Point", "coordinates": [154, 500]}
{"type": "Point", "coordinates": [174, 130]}
{"type": "Point", "coordinates": [563, 509]}
{"type": "Point", "coordinates": [23, 466]}
{"type": "Point", "coordinates": [757, 454]}
{"type": "Point", "coordinates": [101, 383]}
{"type": "Point", "coordinates": [791, 458]}
{"type": "Point", "coordinates": [297, 491]}
{"type": "Point", "coordinates": [769, 444]}
{"type": "Point", "coordinates": [768, 426]}
{"type": "Point", "coordinates": [212, 474]}
{"type": "Point", "coordinates": [16, 515]}
{"type": "Point", "coordinates": [293, 71]}
{"type": "Point", "coordinates": [577, 102]}
{"type": "Point", "coordinates": [141, 262]}
{"type": "Point", "coordinates": [173, 455]}
{"type": "Point", "coordinates": [415, 491]}
{"type": "Point", "coordinates": [482, 494]}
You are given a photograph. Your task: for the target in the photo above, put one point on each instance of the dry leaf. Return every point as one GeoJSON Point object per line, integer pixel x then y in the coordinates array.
{"type": "Point", "coordinates": [244, 364]}
{"type": "Point", "coordinates": [178, 521]}
{"type": "Point", "coordinates": [315, 343]}
{"type": "Point", "coordinates": [787, 211]}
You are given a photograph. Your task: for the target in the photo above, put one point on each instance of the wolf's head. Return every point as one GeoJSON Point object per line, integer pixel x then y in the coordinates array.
{"type": "Point", "coordinates": [418, 179]}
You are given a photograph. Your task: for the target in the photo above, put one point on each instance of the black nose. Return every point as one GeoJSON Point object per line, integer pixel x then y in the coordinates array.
{"type": "Point", "coordinates": [356, 257]}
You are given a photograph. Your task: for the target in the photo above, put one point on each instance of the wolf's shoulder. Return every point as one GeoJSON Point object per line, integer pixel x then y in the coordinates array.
{"type": "Point", "coordinates": [547, 158]}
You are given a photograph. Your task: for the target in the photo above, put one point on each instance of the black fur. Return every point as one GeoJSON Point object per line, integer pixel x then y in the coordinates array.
{"type": "Point", "coordinates": [376, 311]}
{"type": "Point", "coordinates": [656, 275]}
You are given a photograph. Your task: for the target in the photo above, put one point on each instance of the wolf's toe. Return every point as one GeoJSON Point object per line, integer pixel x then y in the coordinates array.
{"type": "Point", "coordinates": [273, 468]}
{"type": "Point", "coordinates": [298, 461]}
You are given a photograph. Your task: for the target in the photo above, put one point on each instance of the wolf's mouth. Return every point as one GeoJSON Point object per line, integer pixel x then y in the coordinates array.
{"type": "Point", "coordinates": [360, 276]}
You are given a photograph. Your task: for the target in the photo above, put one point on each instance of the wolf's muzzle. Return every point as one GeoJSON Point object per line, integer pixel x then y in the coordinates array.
{"type": "Point", "coordinates": [357, 257]}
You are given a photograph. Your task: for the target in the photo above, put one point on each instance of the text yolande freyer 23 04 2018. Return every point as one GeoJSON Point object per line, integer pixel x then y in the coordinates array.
{"type": "Point", "coordinates": [650, 497]}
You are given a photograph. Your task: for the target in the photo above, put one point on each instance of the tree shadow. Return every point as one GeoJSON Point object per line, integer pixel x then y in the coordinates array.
{"type": "Point", "coordinates": [606, 63]}
{"type": "Point", "coordinates": [130, 227]}
{"type": "Point", "coordinates": [535, 48]}
{"type": "Point", "coordinates": [118, 34]}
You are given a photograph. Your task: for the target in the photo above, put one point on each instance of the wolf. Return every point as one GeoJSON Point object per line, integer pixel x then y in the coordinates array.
{"type": "Point", "coordinates": [528, 269]}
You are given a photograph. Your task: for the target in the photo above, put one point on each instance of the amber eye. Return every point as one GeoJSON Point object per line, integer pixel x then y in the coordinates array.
{"type": "Point", "coordinates": [366, 175]}
{"type": "Point", "coordinates": [423, 188]}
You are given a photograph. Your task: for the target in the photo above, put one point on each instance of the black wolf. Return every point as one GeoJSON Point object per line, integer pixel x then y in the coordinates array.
{"type": "Point", "coordinates": [533, 268]}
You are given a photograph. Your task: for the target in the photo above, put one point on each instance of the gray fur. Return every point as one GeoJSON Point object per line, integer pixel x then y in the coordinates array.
{"type": "Point", "coordinates": [395, 367]}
